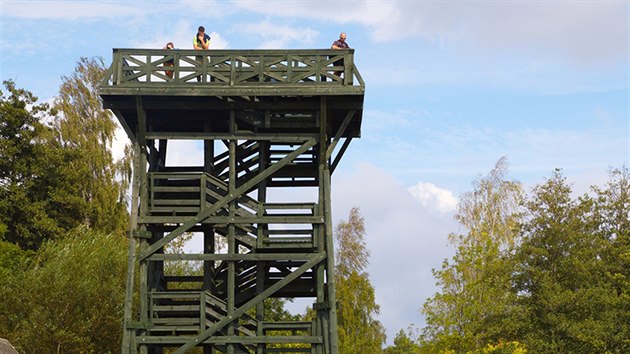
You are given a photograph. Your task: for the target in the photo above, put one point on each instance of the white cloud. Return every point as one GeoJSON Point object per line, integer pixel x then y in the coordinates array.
{"type": "Point", "coordinates": [181, 34]}
{"type": "Point", "coordinates": [406, 240]}
{"type": "Point", "coordinates": [275, 36]}
{"type": "Point", "coordinates": [66, 9]}
{"type": "Point", "coordinates": [431, 196]}
{"type": "Point", "coordinates": [589, 32]}
{"type": "Point", "coordinates": [119, 142]}
{"type": "Point", "coordinates": [81, 9]}
{"type": "Point", "coordinates": [184, 153]}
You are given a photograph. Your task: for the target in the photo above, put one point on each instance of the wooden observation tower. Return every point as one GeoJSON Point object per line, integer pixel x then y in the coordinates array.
{"type": "Point", "coordinates": [273, 126]}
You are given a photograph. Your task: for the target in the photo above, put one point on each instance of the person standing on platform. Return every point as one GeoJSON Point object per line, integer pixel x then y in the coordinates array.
{"type": "Point", "coordinates": [169, 73]}
{"type": "Point", "coordinates": [340, 44]}
{"type": "Point", "coordinates": [201, 42]}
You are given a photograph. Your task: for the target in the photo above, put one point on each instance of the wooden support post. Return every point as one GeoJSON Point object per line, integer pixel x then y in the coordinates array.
{"type": "Point", "coordinates": [231, 281]}
{"type": "Point", "coordinates": [261, 267]}
{"type": "Point", "coordinates": [332, 346]}
{"type": "Point", "coordinates": [131, 255]}
{"type": "Point", "coordinates": [142, 175]}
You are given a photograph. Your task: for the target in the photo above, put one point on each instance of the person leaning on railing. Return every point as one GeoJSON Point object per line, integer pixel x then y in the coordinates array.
{"type": "Point", "coordinates": [201, 42]}
{"type": "Point", "coordinates": [169, 73]}
{"type": "Point", "coordinates": [340, 44]}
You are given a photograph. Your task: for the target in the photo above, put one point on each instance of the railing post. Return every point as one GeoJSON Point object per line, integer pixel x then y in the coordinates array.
{"type": "Point", "coordinates": [176, 66]}
{"type": "Point", "coordinates": [348, 64]}
{"type": "Point", "coordinates": [116, 67]}
{"type": "Point", "coordinates": [232, 70]}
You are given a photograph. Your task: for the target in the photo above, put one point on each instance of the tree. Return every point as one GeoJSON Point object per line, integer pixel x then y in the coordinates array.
{"type": "Point", "coordinates": [611, 207]}
{"type": "Point", "coordinates": [403, 345]}
{"type": "Point", "coordinates": [70, 297]}
{"type": "Point", "coordinates": [54, 178]}
{"type": "Point", "coordinates": [359, 331]}
{"type": "Point", "coordinates": [37, 201]}
{"type": "Point", "coordinates": [563, 294]}
{"type": "Point", "coordinates": [88, 130]}
{"type": "Point", "coordinates": [475, 285]}
{"type": "Point", "coordinates": [569, 267]}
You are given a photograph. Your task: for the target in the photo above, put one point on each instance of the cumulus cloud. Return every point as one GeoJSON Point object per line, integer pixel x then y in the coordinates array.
{"type": "Point", "coordinates": [275, 36]}
{"type": "Point", "coordinates": [588, 32]}
{"type": "Point", "coordinates": [184, 153]}
{"type": "Point", "coordinates": [61, 9]}
{"type": "Point", "coordinates": [406, 240]}
{"type": "Point", "coordinates": [434, 197]}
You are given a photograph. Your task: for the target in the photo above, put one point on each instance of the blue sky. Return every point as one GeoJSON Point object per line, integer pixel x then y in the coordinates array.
{"type": "Point", "coordinates": [451, 86]}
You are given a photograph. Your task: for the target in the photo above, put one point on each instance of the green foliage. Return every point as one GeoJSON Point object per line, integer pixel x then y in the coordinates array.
{"type": "Point", "coordinates": [611, 215]}
{"type": "Point", "coordinates": [57, 174]}
{"type": "Point", "coordinates": [87, 130]}
{"type": "Point", "coordinates": [54, 178]}
{"type": "Point", "coordinates": [403, 345]}
{"type": "Point", "coordinates": [13, 262]}
{"type": "Point", "coordinates": [565, 275]}
{"type": "Point", "coordinates": [569, 302]}
{"type": "Point", "coordinates": [475, 284]}
{"type": "Point", "coordinates": [359, 331]}
{"type": "Point", "coordinates": [504, 348]}
{"type": "Point", "coordinates": [27, 171]}
{"type": "Point", "coordinates": [70, 299]}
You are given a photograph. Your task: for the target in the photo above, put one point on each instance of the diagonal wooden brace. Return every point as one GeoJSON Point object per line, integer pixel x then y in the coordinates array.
{"type": "Point", "coordinates": [228, 198]}
{"type": "Point", "coordinates": [312, 262]}
{"type": "Point", "coordinates": [340, 132]}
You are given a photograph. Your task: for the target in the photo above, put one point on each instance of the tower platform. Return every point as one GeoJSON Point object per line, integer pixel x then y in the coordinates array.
{"type": "Point", "coordinates": [267, 119]}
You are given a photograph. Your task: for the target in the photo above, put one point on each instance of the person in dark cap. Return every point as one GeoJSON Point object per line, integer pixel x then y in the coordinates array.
{"type": "Point", "coordinates": [201, 42]}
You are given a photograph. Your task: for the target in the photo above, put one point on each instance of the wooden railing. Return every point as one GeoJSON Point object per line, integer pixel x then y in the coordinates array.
{"type": "Point", "coordinates": [131, 67]}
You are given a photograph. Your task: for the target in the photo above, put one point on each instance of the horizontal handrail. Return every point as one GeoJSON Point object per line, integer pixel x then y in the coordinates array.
{"type": "Point", "coordinates": [131, 67]}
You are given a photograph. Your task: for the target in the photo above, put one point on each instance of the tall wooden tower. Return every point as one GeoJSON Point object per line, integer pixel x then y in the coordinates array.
{"type": "Point", "coordinates": [273, 126]}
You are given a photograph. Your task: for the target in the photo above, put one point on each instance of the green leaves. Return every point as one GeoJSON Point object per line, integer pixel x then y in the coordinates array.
{"type": "Point", "coordinates": [475, 284]}
{"type": "Point", "coordinates": [58, 176]}
{"type": "Point", "coordinates": [86, 130]}
{"type": "Point", "coordinates": [69, 299]}
{"type": "Point", "coordinates": [558, 283]}
{"type": "Point", "coordinates": [359, 331]}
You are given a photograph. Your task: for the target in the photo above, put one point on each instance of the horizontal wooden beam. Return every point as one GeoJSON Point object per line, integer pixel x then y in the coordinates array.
{"type": "Point", "coordinates": [230, 257]}
{"type": "Point", "coordinates": [273, 137]}
{"type": "Point", "coordinates": [232, 340]}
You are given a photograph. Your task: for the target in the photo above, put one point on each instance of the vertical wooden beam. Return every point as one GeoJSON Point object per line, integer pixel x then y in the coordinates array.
{"type": "Point", "coordinates": [321, 316]}
{"type": "Point", "coordinates": [348, 63]}
{"type": "Point", "coordinates": [208, 233]}
{"type": "Point", "coordinates": [330, 278]}
{"type": "Point", "coordinates": [142, 175]}
{"type": "Point", "coordinates": [261, 267]}
{"type": "Point", "coordinates": [209, 245]}
{"type": "Point", "coordinates": [231, 281]}
{"type": "Point", "coordinates": [330, 259]}
{"type": "Point", "coordinates": [131, 254]}
{"type": "Point", "coordinates": [209, 281]}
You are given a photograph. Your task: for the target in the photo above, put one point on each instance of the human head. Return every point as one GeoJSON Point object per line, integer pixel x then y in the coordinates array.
{"type": "Point", "coordinates": [201, 30]}
{"type": "Point", "coordinates": [170, 45]}
{"type": "Point", "coordinates": [342, 36]}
